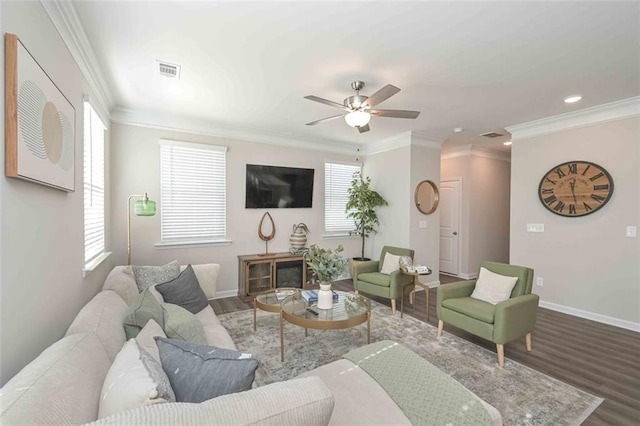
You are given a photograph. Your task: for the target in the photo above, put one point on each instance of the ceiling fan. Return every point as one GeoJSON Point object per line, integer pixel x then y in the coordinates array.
{"type": "Point", "coordinates": [358, 108]}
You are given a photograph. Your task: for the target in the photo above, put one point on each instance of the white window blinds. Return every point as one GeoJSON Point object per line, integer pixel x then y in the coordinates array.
{"type": "Point", "coordinates": [93, 184]}
{"type": "Point", "coordinates": [193, 191]}
{"type": "Point", "coordinates": [337, 179]}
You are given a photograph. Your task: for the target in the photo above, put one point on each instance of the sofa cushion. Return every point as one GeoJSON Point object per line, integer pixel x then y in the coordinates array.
{"type": "Point", "coordinates": [184, 291]}
{"type": "Point", "coordinates": [215, 333]}
{"type": "Point", "coordinates": [61, 386]}
{"type": "Point", "coordinates": [473, 308]}
{"type": "Point", "coordinates": [103, 316]}
{"type": "Point", "coordinates": [147, 276]}
{"type": "Point", "coordinates": [142, 309]}
{"type": "Point", "coordinates": [376, 278]}
{"type": "Point", "coordinates": [198, 373]}
{"type": "Point", "coordinates": [146, 339]}
{"type": "Point", "coordinates": [135, 379]}
{"type": "Point", "coordinates": [305, 401]}
{"type": "Point", "coordinates": [207, 274]}
{"type": "Point", "coordinates": [493, 288]}
{"type": "Point", "coordinates": [121, 280]}
{"type": "Point", "coordinates": [182, 324]}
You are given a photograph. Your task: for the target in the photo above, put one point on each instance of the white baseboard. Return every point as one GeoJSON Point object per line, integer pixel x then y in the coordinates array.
{"type": "Point", "coordinates": [468, 276]}
{"type": "Point", "coordinates": [617, 322]}
{"type": "Point", "coordinates": [225, 294]}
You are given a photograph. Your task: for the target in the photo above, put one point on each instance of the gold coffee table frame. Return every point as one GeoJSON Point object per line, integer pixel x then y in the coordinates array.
{"type": "Point", "coordinates": [294, 310]}
{"type": "Point", "coordinates": [416, 282]}
{"type": "Point", "coordinates": [268, 301]}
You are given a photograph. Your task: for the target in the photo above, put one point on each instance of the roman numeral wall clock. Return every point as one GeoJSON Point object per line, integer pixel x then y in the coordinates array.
{"type": "Point", "coordinates": [575, 188]}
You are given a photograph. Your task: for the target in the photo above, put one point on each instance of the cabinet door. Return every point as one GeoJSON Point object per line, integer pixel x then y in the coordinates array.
{"type": "Point", "coordinates": [259, 276]}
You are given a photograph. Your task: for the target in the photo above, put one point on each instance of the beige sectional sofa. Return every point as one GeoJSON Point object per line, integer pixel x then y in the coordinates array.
{"type": "Point", "coordinates": [63, 385]}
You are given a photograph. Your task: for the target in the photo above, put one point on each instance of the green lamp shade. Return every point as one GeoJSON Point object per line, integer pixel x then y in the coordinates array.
{"type": "Point", "coordinates": [144, 208]}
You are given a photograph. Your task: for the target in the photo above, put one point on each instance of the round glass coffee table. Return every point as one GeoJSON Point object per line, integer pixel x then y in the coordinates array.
{"type": "Point", "coordinates": [270, 301]}
{"type": "Point", "coordinates": [348, 311]}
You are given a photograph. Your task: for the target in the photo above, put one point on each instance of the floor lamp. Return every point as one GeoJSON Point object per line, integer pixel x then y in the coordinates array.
{"type": "Point", "coordinates": [143, 207]}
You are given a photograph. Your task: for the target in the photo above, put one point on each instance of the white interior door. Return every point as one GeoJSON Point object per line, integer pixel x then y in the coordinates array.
{"type": "Point", "coordinates": [449, 226]}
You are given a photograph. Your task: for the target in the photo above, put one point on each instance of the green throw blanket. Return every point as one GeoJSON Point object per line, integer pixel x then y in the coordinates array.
{"type": "Point", "coordinates": [426, 395]}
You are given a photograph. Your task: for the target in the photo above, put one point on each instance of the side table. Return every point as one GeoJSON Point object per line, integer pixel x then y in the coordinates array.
{"type": "Point", "coordinates": [416, 282]}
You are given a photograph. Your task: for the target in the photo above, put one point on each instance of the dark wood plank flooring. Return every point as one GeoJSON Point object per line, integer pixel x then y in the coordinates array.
{"type": "Point", "coordinates": [597, 358]}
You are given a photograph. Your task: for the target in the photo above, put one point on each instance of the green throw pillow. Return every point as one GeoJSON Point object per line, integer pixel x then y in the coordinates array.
{"type": "Point", "coordinates": [143, 308]}
{"type": "Point", "coordinates": [182, 324]}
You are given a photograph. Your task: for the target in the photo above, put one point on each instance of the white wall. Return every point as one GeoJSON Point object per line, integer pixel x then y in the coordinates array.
{"type": "Point", "coordinates": [41, 282]}
{"type": "Point", "coordinates": [135, 157]}
{"type": "Point", "coordinates": [587, 263]}
{"type": "Point", "coordinates": [485, 206]}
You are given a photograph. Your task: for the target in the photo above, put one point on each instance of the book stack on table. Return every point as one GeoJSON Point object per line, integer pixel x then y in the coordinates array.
{"type": "Point", "coordinates": [311, 296]}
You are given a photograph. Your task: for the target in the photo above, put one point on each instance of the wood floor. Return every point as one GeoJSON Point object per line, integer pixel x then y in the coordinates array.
{"type": "Point", "coordinates": [597, 358]}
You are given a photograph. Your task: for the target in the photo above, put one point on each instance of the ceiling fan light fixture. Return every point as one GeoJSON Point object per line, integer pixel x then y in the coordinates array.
{"type": "Point", "coordinates": [357, 118]}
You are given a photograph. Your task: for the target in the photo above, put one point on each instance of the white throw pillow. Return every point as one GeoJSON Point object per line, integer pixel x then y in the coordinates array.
{"type": "Point", "coordinates": [390, 263]}
{"type": "Point", "coordinates": [133, 382]}
{"type": "Point", "coordinates": [493, 288]}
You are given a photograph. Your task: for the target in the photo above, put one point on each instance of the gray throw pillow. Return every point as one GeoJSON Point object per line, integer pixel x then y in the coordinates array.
{"type": "Point", "coordinates": [184, 291]}
{"type": "Point", "coordinates": [198, 373]}
{"type": "Point", "coordinates": [182, 324]}
{"type": "Point", "coordinates": [146, 276]}
{"type": "Point", "coordinates": [143, 308]}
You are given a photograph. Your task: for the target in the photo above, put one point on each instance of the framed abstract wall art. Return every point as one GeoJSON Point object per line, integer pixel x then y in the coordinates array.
{"type": "Point", "coordinates": [40, 122]}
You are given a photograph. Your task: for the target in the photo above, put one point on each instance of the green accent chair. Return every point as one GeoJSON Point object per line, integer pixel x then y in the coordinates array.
{"type": "Point", "coordinates": [368, 279]}
{"type": "Point", "coordinates": [500, 323]}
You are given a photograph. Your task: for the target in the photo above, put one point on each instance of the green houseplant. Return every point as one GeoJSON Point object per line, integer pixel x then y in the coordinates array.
{"type": "Point", "coordinates": [361, 208]}
{"type": "Point", "coordinates": [326, 264]}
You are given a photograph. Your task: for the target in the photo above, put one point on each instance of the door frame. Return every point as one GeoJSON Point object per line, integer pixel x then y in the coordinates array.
{"type": "Point", "coordinates": [460, 224]}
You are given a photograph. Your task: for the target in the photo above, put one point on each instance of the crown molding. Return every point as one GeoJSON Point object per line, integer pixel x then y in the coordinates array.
{"type": "Point", "coordinates": [402, 140]}
{"type": "Point", "coordinates": [210, 128]}
{"type": "Point", "coordinates": [422, 139]}
{"type": "Point", "coordinates": [618, 110]}
{"type": "Point", "coordinates": [65, 18]}
{"type": "Point", "coordinates": [476, 151]}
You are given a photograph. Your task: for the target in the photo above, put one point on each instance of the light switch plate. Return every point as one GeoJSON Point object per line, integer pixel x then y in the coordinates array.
{"type": "Point", "coordinates": [535, 227]}
{"type": "Point", "coordinates": [632, 231]}
{"type": "Point", "coordinates": [423, 224]}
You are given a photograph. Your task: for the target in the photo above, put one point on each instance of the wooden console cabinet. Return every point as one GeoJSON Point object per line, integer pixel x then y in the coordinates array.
{"type": "Point", "coordinates": [258, 273]}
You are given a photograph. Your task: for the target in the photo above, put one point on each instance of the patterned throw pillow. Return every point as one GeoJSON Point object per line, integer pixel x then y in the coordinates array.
{"type": "Point", "coordinates": [147, 276]}
{"type": "Point", "coordinates": [134, 379]}
{"type": "Point", "coordinates": [198, 373]}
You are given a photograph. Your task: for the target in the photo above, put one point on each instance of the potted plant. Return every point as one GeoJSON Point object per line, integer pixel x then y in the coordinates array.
{"type": "Point", "coordinates": [327, 265]}
{"type": "Point", "coordinates": [361, 207]}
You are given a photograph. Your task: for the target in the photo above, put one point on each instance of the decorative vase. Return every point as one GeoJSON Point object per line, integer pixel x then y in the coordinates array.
{"type": "Point", "coordinates": [325, 296]}
{"type": "Point", "coordinates": [298, 240]}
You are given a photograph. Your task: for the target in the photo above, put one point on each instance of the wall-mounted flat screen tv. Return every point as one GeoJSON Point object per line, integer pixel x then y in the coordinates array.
{"type": "Point", "coordinates": [278, 187]}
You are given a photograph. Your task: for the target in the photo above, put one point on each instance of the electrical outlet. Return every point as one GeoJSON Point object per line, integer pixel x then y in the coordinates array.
{"type": "Point", "coordinates": [539, 281]}
{"type": "Point", "coordinates": [632, 232]}
{"type": "Point", "coordinates": [423, 224]}
{"type": "Point", "coordinates": [535, 227]}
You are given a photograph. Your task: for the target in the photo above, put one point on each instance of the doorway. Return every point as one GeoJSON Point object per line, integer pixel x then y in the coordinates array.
{"type": "Point", "coordinates": [450, 206]}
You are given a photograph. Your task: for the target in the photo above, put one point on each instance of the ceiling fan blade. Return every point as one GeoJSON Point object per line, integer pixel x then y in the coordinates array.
{"type": "Point", "coordinates": [327, 102]}
{"type": "Point", "coordinates": [333, 117]}
{"type": "Point", "coordinates": [381, 95]}
{"type": "Point", "coordinates": [363, 129]}
{"type": "Point", "coordinates": [394, 113]}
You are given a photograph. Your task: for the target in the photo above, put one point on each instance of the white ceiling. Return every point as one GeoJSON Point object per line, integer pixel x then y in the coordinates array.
{"type": "Point", "coordinates": [481, 66]}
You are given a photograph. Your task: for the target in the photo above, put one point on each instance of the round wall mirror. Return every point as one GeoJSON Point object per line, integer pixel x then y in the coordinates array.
{"type": "Point", "coordinates": [426, 197]}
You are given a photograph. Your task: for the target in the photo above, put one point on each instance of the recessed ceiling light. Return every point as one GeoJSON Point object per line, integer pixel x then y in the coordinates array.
{"type": "Point", "coordinates": [507, 143]}
{"type": "Point", "coordinates": [457, 129]}
{"type": "Point", "coordinates": [572, 99]}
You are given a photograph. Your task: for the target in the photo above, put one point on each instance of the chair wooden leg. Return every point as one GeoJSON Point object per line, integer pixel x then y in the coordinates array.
{"type": "Point", "coordinates": [440, 327]}
{"type": "Point", "coordinates": [500, 355]}
{"type": "Point", "coordinates": [355, 291]}
{"type": "Point", "coordinates": [393, 306]}
{"type": "Point", "coordinates": [411, 296]}
{"type": "Point", "coordinates": [527, 339]}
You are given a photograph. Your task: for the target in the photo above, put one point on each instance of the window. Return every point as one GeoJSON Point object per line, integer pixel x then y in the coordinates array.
{"type": "Point", "coordinates": [193, 206]}
{"type": "Point", "coordinates": [93, 184]}
{"type": "Point", "coordinates": [337, 179]}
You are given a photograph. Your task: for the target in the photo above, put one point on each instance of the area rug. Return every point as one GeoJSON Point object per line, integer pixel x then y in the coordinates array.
{"type": "Point", "coordinates": [522, 395]}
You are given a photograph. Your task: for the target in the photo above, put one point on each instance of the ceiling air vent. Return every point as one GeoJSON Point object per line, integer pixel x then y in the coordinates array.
{"type": "Point", "coordinates": [168, 70]}
{"type": "Point", "coordinates": [492, 135]}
